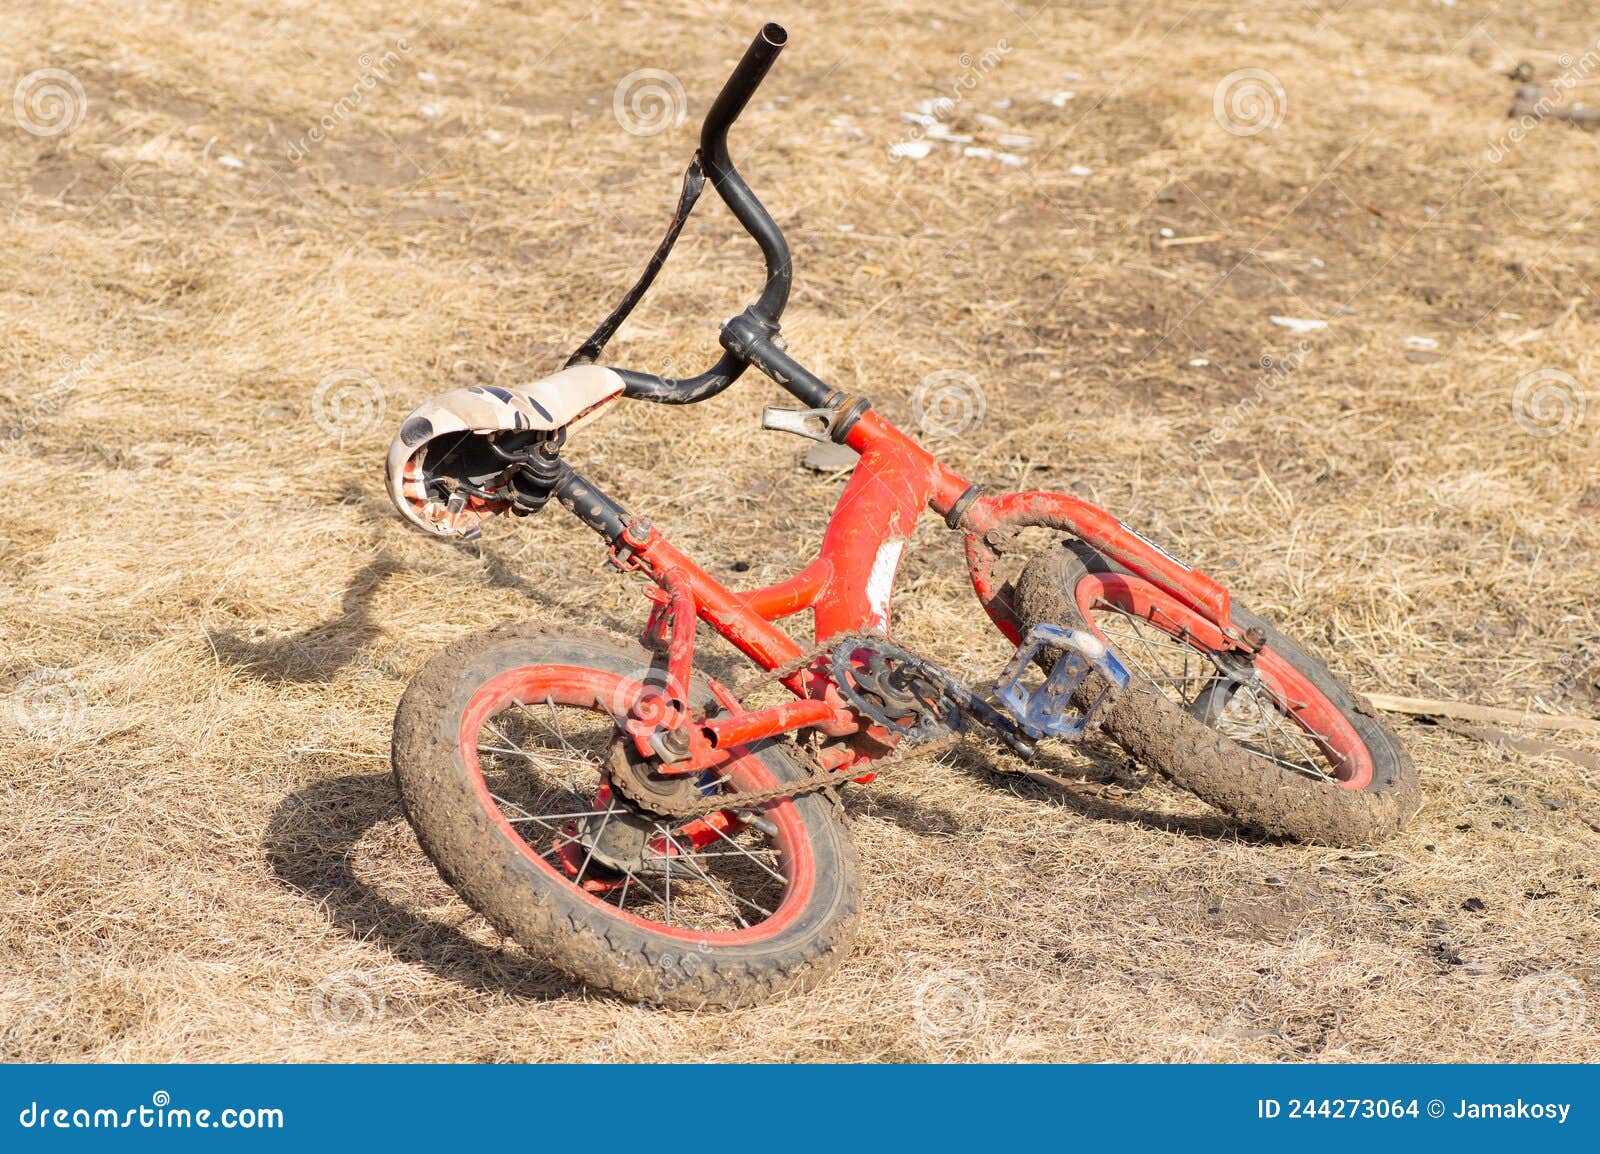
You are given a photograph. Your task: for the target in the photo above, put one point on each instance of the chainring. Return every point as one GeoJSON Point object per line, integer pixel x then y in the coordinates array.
{"type": "Point", "coordinates": [907, 695]}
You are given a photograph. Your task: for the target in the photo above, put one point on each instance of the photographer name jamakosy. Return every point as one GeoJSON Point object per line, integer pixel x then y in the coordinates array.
{"type": "Point", "coordinates": [1518, 1109]}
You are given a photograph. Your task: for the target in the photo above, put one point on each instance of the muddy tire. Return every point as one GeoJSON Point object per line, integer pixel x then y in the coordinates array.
{"type": "Point", "coordinates": [529, 898]}
{"type": "Point", "coordinates": [1175, 741]}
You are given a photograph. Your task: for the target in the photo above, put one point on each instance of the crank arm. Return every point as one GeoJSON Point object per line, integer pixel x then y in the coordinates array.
{"type": "Point", "coordinates": [1004, 726]}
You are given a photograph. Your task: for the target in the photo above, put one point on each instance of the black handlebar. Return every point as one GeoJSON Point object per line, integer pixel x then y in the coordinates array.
{"type": "Point", "coordinates": [730, 102]}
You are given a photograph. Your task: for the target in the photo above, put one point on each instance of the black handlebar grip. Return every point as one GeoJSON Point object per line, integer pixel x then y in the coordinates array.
{"type": "Point", "coordinates": [747, 77]}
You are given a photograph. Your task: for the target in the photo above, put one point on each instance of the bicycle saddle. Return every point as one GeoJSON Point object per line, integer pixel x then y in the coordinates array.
{"type": "Point", "coordinates": [444, 475]}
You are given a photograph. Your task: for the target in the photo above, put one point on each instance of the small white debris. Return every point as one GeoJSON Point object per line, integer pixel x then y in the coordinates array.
{"type": "Point", "coordinates": [1299, 325]}
{"type": "Point", "coordinates": [988, 121]}
{"type": "Point", "coordinates": [990, 154]}
{"type": "Point", "coordinates": [942, 132]}
{"type": "Point", "coordinates": [1199, 363]}
{"type": "Point", "coordinates": [1006, 103]}
{"type": "Point", "coordinates": [840, 122]}
{"type": "Point", "coordinates": [1167, 234]}
{"type": "Point", "coordinates": [911, 149]}
{"type": "Point", "coordinates": [1080, 170]}
{"type": "Point", "coordinates": [1423, 344]}
{"type": "Point", "coordinates": [432, 111]}
{"type": "Point", "coordinates": [845, 227]}
{"type": "Point", "coordinates": [1013, 140]}
{"type": "Point", "coordinates": [1059, 100]}
{"type": "Point", "coordinates": [1318, 262]}
{"type": "Point", "coordinates": [427, 78]}
{"type": "Point", "coordinates": [829, 458]}
{"type": "Point", "coordinates": [232, 162]}
{"type": "Point", "coordinates": [493, 135]}
{"type": "Point", "coordinates": [921, 119]}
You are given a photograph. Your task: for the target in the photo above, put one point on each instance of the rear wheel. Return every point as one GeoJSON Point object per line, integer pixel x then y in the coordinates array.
{"type": "Point", "coordinates": [1274, 737]}
{"type": "Point", "coordinates": [505, 750]}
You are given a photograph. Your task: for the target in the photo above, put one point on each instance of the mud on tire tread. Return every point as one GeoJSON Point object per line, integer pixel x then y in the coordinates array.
{"type": "Point", "coordinates": [544, 915]}
{"type": "Point", "coordinates": [1167, 738]}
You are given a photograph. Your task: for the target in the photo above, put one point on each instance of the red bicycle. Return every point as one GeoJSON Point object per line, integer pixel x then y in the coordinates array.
{"type": "Point", "coordinates": [651, 830]}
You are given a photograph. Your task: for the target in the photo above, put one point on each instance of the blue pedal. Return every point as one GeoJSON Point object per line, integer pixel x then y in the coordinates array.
{"type": "Point", "coordinates": [1047, 711]}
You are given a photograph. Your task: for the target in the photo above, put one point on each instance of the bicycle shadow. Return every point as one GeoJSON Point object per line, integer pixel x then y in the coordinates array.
{"type": "Point", "coordinates": [1090, 799]}
{"type": "Point", "coordinates": [317, 653]}
{"type": "Point", "coordinates": [320, 651]}
{"type": "Point", "coordinates": [310, 847]}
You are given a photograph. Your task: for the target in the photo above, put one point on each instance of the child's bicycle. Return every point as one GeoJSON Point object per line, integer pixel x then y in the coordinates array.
{"type": "Point", "coordinates": [649, 832]}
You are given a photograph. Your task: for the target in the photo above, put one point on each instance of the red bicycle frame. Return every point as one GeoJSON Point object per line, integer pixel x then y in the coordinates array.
{"type": "Point", "coordinates": [850, 586]}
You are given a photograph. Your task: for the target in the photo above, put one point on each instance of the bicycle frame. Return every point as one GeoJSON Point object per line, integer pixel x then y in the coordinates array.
{"type": "Point", "coordinates": [849, 586]}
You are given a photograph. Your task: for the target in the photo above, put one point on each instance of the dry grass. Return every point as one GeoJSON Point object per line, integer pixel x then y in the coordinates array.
{"type": "Point", "coordinates": [197, 831]}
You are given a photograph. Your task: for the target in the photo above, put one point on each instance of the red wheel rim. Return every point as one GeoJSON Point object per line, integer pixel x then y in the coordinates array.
{"type": "Point", "coordinates": [609, 694]}
{"type": "Point", "coordinates": [1286, 692]}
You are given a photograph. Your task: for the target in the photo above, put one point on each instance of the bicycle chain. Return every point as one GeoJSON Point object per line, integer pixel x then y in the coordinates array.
{"type": "Point", "coordinates": [816, 780]}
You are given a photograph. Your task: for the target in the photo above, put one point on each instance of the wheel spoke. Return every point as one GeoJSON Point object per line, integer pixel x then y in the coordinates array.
{"type": "Point", "coordinates": [1266, 722]}
{"type": "Point", "coordinates": [749, 855]}
{"type": "Point", "coordinates": [705, 877]}
{"type": "Point", "coordinates": [544, 756]}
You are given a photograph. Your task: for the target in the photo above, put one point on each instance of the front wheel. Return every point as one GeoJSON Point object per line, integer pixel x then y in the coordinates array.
{"type": "Point", "coordinates": [1273, 738]}
{"type": "Point", "coordinates": [504, 750]}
